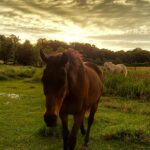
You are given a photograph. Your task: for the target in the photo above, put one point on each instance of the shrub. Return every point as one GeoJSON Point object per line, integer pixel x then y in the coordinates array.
{"type": "Point", "coordinates": [16, 72]}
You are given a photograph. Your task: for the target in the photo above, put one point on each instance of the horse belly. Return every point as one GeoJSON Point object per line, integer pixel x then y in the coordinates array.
{"type": "Point", "coordinates": [94, 90]}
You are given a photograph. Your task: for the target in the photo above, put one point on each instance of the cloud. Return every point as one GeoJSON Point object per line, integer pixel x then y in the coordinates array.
{"type": "Point", "coordinates": [126, 44]}
{"type": "Point", "coordinates": [123, 2]}
{"type": "Point", "coordinates": [98, 21]}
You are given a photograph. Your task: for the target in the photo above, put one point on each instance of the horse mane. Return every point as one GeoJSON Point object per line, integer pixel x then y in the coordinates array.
{"type": "Point", "coordinates": [75, 59]}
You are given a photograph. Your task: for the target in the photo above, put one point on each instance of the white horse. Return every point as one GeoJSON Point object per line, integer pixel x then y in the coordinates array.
{"type": "Point", "coordinates": [119, 68]}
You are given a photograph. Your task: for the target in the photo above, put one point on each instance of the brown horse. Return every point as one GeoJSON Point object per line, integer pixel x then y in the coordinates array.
{"type": "Point", "coordinates": [70, 87]}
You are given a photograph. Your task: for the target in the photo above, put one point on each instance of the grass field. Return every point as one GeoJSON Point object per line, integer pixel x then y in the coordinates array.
{"type": "Point", "coordinates": [120, 123]}
{"type": "Point", "coordinates": [136, 85]}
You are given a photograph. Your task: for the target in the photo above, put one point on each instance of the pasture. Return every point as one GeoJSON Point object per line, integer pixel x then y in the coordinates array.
{"type": "Point", "coordinates": [122, 121]}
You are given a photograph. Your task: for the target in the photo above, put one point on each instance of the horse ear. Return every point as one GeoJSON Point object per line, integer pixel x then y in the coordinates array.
{"type": "Point", "coordinates": [44, 56]}
{"type": "Point", "coordinates": [64, 59]}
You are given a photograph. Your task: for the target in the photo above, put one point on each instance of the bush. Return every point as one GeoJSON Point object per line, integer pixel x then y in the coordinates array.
{"type": "Point", "coordinates": [7, 72]}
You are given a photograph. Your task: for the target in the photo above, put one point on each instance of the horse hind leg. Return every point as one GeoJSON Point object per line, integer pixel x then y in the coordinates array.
{"type": "Point", "coordinates": [90, 122]}
{"type": "Point", "coordinates": [82, 129]}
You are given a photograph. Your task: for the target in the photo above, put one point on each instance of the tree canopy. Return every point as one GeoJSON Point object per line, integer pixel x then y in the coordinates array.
{"type": "Point", "coordinates": [15, 52]}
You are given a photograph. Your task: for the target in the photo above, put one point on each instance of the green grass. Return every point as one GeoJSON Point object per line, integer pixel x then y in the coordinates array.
{"type": "Point", "coordinates": [136, 85]}
{"type": "Point", "coordinates": [120, 124]}
{"type": "Point", "coordinates": [11, 72]}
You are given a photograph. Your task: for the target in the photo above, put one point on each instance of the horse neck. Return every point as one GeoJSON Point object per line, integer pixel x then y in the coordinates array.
{"type": "Point", "coordinates": [75, 74]}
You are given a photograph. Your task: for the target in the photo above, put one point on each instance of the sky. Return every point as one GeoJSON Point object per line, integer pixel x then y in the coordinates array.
{"type": "Point", "coordinates": [111, 24]}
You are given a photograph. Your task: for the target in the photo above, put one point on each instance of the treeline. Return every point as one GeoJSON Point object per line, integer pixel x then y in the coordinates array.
{"type": "Point", "coordinates": [14, 52]}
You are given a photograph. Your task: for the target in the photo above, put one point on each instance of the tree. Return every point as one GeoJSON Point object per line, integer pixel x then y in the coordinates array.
{"type": "Point", "coordinates": [25, 54]}
{"type": "Point", "coordinates": [28, 54]}
{"type": "Point", "coordinates": [5, 48]}
{"type": "Point", "coordinates": [15, 43]}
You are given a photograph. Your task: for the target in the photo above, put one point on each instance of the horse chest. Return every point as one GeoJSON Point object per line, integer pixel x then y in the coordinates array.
{"type": "Point", "coordinates": [72, 105]}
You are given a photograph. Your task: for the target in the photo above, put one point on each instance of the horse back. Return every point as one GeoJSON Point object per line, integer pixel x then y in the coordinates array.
{"type": "Point", "coordinates": [95, 68]}
{"type": "Point", "coordinates": [95, 83]}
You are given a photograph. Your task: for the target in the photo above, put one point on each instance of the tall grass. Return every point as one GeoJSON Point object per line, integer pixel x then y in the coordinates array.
{"type": "Point", "coordinates": [37, 76]}
{"type": "Point", "coordinates": [135, 85]}
{"type": "Point", "coordinates": [128, 135]}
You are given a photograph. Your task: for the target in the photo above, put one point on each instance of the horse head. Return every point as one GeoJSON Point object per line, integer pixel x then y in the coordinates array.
{"type": "Point", "coordinates": [54, 84]}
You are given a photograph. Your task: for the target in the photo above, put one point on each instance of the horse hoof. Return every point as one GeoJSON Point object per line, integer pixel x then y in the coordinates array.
{"type": "Point", "coordinates": [84, 148]}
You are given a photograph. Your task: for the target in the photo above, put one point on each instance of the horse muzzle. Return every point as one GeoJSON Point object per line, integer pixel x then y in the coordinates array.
{"type": "Point", "coordinates": [51, 121]}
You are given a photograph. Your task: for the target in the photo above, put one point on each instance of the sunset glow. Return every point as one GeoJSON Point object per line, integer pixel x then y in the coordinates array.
{"type": "Point", "coordinates": [115, 24]}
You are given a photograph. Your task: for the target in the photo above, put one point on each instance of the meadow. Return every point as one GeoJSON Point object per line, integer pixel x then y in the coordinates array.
{"type": "Point", "coordinates": [122, 121]}
{"type": "Point", "coordinates": [136, 85]}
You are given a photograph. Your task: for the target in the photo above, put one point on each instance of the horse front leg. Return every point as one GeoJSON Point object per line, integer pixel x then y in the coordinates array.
{"type": "Point", "coordinates": [65, 131]}
{"type": "Point", "coordinates": [90, 121]}
{"type": "Point", "coordinates": [83, 131]}
{"type": "Point", "coordinates": [78, 119]}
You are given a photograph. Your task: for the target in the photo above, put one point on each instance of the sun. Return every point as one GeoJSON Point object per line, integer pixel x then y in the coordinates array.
{"type": "Point", "coordinates": [74, 34]}
{"type": "Point", "coordinates": [72, 38]}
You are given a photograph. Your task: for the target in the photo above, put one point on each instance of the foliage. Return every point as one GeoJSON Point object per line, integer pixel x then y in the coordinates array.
{"type": "Point", "coordinates": [135, 85]}
{"type": "Point", "coordinates": [10, 72]}
{"type": "Point", "coordinates": [5, 48]}
{"type": "Point", "coordinates": [25, 54]}
{"type": "Point", "coordinates": [11, 50]}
